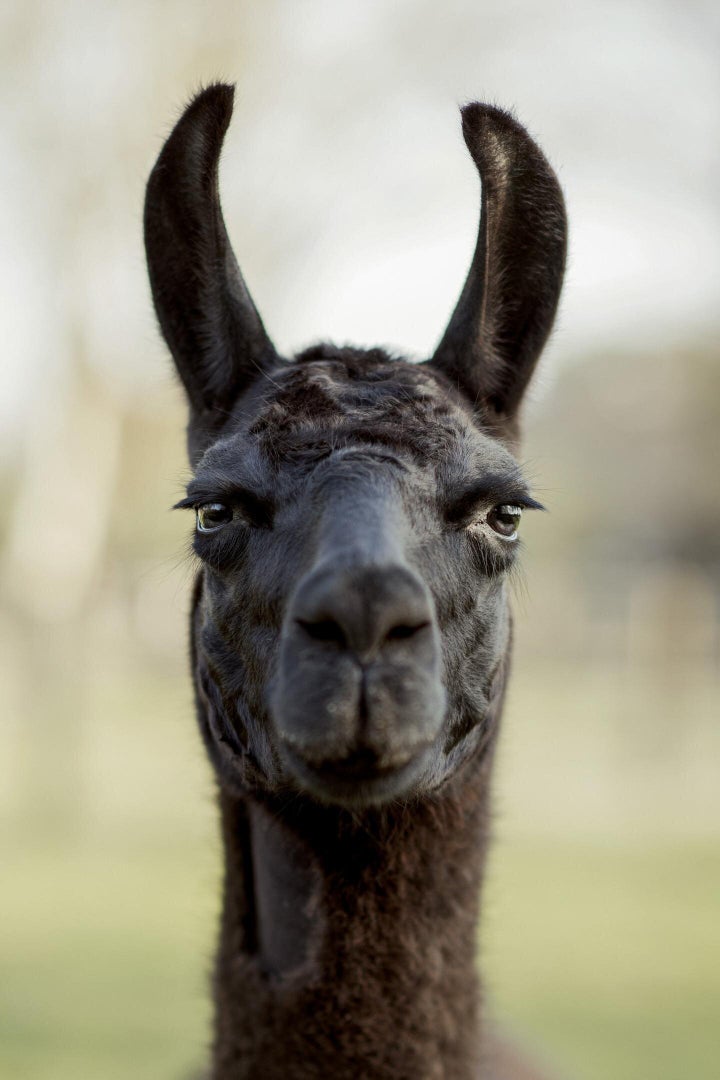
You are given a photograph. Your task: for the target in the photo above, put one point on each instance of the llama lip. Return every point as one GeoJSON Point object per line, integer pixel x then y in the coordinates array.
{"type": "Point", "coordinates": [356, 780]}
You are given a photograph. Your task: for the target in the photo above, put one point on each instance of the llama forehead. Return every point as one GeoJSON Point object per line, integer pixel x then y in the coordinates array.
{"type": "Point", "coordinates": [325, 403]}
{"type": "Point", "coordinates": [364, 388]}
{"type": "Point", "coordinates": [329, 400]}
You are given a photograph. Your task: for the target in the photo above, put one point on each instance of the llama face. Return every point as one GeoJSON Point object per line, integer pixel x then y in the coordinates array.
{"type": "Point", "coordinates": [356, 514]}
{"type": "Point", "coordinates": [352, 620]}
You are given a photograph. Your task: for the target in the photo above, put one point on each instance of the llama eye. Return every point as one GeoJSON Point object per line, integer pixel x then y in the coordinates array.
{"type": "Point", "coordinates": [504, 520]}
{"type": "Point", "coordinates": [212, 516]}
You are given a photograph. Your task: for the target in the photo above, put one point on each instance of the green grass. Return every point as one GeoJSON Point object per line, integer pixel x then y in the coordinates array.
{"type": "Point", "coordinates": [604, 961]}
{"type": "Point", "coordinates": [104, 961]}
{"type": "Point", "coordinates": [607, 960]}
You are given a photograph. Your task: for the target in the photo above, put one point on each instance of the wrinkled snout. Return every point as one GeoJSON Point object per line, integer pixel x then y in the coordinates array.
{"type": "Point", "coordinates": [358, 700]}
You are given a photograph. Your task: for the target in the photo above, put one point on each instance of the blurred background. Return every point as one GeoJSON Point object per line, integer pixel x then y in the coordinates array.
{"type": "Point", "coordinates": [353, 207]}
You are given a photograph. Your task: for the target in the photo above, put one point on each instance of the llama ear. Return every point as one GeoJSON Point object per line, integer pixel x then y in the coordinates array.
{"type": "Point", "coordinates": [206, 314]}
{"type": "Point", "coordinates": [507, 307]}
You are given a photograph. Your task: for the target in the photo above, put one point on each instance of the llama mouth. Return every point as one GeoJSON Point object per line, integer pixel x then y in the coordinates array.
{"type": "Point", "coordinates": [357, 780]}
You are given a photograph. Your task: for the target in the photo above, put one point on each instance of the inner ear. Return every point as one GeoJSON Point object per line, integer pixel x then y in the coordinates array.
{"type": "Point", "coordinates": [508, 304]}
{"type": "Point", "coordinates": [207, 316]}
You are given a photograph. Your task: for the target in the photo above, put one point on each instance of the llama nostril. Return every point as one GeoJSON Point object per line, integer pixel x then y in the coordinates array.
{"type": "Point", "coordinates": [362, 609]}
{"type": "Point", "coordinates": [326, 630]}
{"type": "Point", "coordinates": [403, 631]}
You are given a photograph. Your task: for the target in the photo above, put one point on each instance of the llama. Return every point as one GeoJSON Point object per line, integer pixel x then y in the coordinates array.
{"type": "Point", "coordinates": [356, 519]}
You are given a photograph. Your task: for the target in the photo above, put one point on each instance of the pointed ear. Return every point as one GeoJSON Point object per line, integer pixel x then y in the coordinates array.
{"type": "Point", "coordinates": [206, 314]}
{"type": "Point", "coordinates": [507, 307]}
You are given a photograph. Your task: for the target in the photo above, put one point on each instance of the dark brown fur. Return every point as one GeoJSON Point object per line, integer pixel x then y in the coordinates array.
{"type": "Point", "coordinates": [351, 627]}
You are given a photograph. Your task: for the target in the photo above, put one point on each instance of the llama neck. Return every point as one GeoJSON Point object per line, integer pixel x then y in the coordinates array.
{"type": "Point", "coordinates": [348, 941]}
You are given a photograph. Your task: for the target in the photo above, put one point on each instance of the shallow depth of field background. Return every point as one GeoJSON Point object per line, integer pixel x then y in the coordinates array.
{"type": "Point", "coordinates": [352, 204]}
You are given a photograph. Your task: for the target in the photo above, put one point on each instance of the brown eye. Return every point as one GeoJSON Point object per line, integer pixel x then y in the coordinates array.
{"type": "Point", "coordinates": [212, 516]}
{"type": "Point", "coordinates": [504, 520]}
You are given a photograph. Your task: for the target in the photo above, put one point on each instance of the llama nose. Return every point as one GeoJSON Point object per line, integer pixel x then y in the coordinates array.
{"type": "Point", "coordinates": [364, 610]}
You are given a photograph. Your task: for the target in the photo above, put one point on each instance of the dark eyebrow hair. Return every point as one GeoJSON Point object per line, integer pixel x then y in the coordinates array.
{"type": "Point", "coordinates": [498, 488]}
{"type": "Point", "coordinates": [223, 489]}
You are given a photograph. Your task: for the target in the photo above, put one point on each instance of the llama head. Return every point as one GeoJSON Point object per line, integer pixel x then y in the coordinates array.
{"type": "Point", "coordinates": [356, 514]}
